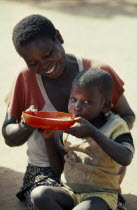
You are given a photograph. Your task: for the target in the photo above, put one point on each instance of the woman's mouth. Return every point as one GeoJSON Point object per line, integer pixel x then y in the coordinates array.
{"type": "Point", "coordinates": [50, 70]}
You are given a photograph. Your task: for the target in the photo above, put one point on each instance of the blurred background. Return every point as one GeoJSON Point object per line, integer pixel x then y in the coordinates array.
{"type": "Point", "coordinates": [101, 29]}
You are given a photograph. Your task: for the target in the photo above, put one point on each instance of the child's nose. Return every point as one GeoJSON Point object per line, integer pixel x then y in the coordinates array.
{"type": "Point", "coordinates": [78, 106]}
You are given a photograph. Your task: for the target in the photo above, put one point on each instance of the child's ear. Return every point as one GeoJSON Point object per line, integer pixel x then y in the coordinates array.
{"type": "Point", "coordinates": [108, 104]}
{"type": "Point", "coordinates": [106, 110]}
{"type": "Point", "coordinates": [59, 37]}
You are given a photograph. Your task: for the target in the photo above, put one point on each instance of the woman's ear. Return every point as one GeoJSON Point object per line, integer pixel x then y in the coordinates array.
{"type": "Point", "coordinates": [59, 37]}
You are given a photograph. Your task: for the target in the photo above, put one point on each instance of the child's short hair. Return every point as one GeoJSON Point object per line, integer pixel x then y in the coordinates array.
{"type": "Point", "coordinates": [30, 28]}
{"type": "Point", "coordinates": [97, 78]}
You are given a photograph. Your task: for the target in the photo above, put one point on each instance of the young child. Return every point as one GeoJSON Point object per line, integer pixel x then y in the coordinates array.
{"type": "Point", "coordinates": [96, 147]}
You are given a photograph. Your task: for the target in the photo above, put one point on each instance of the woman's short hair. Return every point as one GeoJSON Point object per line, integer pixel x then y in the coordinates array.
{"type": "Point", "coordinates": [31, 28]}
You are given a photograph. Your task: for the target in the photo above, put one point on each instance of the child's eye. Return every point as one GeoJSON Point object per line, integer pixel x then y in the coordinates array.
{"type": "Point", "coordinates": [72, 99]}
{"type": "Point", "coordinates": [86, 102]}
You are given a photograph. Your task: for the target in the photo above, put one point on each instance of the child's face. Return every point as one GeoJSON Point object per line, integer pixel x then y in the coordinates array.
{"type": "Point", "coordinates": [86, 102]}
{"type": "Point", "coordinates": [44, 56]}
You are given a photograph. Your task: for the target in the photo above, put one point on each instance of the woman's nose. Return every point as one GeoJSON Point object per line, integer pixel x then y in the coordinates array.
{"type": "Point", "coordinates": [43, 64]}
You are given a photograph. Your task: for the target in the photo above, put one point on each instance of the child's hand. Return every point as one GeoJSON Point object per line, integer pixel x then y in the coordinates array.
{"type": "Point", "coordinates": [82, 130]}
{"type": "Point", "coordinates": [47, 134]}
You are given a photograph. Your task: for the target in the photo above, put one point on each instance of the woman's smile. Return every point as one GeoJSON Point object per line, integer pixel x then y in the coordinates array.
{"type": "Point", "coordinates": [50, 70]}
{"type": "Point", "coordinates": [45, 57]}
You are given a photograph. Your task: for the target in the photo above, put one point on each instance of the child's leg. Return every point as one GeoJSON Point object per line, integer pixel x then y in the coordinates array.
{"type": "Point", "coordinates": [93, 203]}
{"type": "Point", "coordinates": [49, 198]}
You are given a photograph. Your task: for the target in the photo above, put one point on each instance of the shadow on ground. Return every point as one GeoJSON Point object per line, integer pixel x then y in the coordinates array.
{"type": "Point", "coordinates": [10, 183]}
{"type": "Point", "coordinates": [131, 201]}
{"type": "Point", "coordinates": [89, 8]}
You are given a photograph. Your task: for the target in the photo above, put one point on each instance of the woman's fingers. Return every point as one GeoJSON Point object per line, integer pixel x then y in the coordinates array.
{"type": "Point", "coordinates": [42, 130]}
{"type": "Point", "coordinates": [46, 133]}
{"type": "Point", "coordinates": [32, 108]}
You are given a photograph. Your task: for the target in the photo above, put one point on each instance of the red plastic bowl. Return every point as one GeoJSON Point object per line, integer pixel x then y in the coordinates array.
{"type": "Point", "coordinates": [50, 120]}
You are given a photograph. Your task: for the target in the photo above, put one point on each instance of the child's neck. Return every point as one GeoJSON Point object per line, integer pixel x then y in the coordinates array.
{"type": "Point", "coordinates": [99, 121]}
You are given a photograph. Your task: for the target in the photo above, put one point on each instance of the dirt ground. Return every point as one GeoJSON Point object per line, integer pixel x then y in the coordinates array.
{"type": "Point", "coordinates": [106, 30]}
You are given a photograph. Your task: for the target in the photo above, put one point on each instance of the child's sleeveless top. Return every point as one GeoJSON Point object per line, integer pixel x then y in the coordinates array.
{"type": "Point", "coordinates": [87, 167]}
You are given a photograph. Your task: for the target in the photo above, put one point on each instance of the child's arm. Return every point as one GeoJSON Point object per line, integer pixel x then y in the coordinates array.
{"type": "Point", "coordinates": [115, 150]}
{"type": "Point", "coordinates": [53, 153]}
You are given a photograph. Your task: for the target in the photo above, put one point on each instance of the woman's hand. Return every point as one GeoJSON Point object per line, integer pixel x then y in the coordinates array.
{"type": "Point", "coordinates": [47, 134]}
{"type": "Point", "coordinates": [16, 134]}
{"type": "Point", "coordinates": [81, 130]}
{"type": "Point", "coordinates": [31, 108]}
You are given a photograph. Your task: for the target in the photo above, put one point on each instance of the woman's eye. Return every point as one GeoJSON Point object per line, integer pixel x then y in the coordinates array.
{"type": "Point", "coordinates": [48, 55]}
{"type": "Point", "coordinates": [32, 64]}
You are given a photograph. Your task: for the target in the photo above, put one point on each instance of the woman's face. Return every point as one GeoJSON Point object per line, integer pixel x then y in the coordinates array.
{"type": "Point", "coordinates": [45, 57]}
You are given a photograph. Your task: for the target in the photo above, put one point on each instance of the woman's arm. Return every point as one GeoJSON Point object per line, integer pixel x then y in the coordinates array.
{"type": "Point", "coordinates": [15, 134]}
{"type": "Point", "coordinates": [124, 110]}
{"type": "Point", "coordinates": [119, 101]}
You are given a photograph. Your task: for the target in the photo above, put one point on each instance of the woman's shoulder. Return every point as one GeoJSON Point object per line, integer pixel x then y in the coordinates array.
{"type": "Point", "coordinates": [94, 63]}
{"type": "Point", "coordinates": [71, 58]}
{"type": "Point", "coordinates": [25, 74]}
{"type": "Point", "coordinates": [25, 71]}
